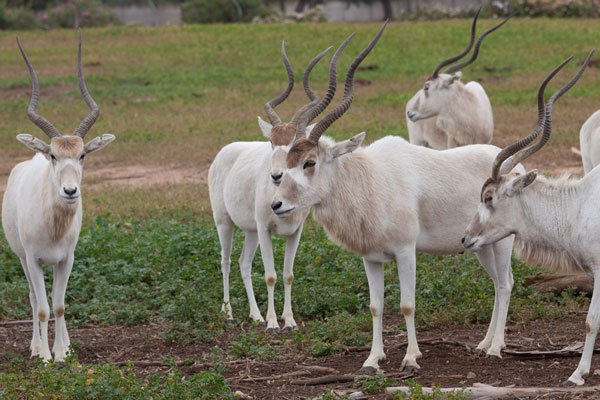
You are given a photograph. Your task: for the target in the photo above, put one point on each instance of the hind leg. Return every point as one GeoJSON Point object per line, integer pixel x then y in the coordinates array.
{"type": "Point", "coordinates": [225, 231]}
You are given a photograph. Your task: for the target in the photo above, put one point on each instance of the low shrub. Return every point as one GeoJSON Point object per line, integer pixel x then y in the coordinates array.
{"type": "Point", "coordinates": [210, 11]}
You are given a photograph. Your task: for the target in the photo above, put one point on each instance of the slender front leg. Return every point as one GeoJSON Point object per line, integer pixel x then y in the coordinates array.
{"type": "Point", "coordinates": [36, 276]}
{"type": "Point", "coordinates": [502, 255]}
{"type": "Point", "coordinates": [291, 246]}
{"type": "Point", "coordinates": [487, 258]}
{"type": "Point", "coordinates": [266, 251]}
{"type": "Point", "coordinates": [59, 286]}
{"type": "Point", "coordinates": [591, 328]}
{"type": "Point", "coordinates": [407, 264]}
{"type": "Point", "coordinates": [374, 272]}
{"type": "Point", "coordinates": [225, 231]}
{"type": "Point", "coordinates": [250, 245]}
{"type": "Point", "coordinates": [36, 343]}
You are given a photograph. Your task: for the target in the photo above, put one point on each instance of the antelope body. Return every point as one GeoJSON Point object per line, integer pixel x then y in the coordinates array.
{"type": "Point", "coordinates": [589, 140]}
{"type": "Point", "coordinates": [242, 181]}
{"type": "Point", "coordinates": [388, 200]}
{"type": "Point", "coordinates": [446, 113]}
{"type": "Point", "coordinates": [555, 222]}
{"type": "Point", "coordinates": [41, 214]}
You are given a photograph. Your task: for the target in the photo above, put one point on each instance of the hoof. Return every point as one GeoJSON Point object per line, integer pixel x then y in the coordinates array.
{"type": "Point", "coordinates": [288, 329]}
{"type": "Point", "coordinates": [273, 330]}
{"type": "Point", "coordinates": [568, 383]}
{"type": "Point", "coordinates": [230, 321]}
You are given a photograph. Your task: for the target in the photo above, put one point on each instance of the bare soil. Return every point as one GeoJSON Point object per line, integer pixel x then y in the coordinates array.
{"type": "Point", "coordinates": [448, 357]}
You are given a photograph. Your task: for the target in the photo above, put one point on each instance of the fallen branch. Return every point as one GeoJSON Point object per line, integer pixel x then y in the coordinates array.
{"type": "Point", "coordinates": [304, 370]}
{"type": "Point", "coordinates": [343, 378]}
{"type": "Point", "coordinates": [558, 283]}
{"type": "Point", "coordinates": [482, 391]}
{"type": "Point", "coordinates": [573, 350]}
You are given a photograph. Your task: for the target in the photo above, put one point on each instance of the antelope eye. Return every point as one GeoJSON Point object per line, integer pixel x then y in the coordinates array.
{"type": "Point", "coordinates": [53, 157]}
{"type": "Point", "coordinates": [487, 200]}
{"type": "Point", "coordinates": [309, 164]}
{"type": "Point", "coordinates": [82, 157]}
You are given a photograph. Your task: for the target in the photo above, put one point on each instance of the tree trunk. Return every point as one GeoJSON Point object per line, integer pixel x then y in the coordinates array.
{"type": "Point", "coordinates": [300, 6]}
{"type": "Point", "coordinates": [388, 13]}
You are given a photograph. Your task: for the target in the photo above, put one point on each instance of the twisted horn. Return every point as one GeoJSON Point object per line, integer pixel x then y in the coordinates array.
{"type": "Point", "coordinates": [314, 99]}
{"type": "Point", "coordinates": [37, 119]}
{"type": "Point", "coordinates": [512, 149]}
{"type": "Point", "coordinates": [322, 105]}
{"type": "Point", "coordinates": [88, 121]}
{"type": "Point", "coordinates": [457, 67]}
{"type": "Point", "coordinates": [527, 152]}
{"type": "Point", "coordinates": [457, 57]}
{"type": "Point", "coordinates": [337, 112]}
{"type": "Point", "coordinates": [273, 117]}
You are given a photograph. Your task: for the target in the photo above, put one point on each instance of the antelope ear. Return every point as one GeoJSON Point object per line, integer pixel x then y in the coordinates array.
{"type": "Point", "coordinates": [34, 143]}
{"type": "Point", "coordinates": [309, 129]}
{"type": "Point", "coordinates": [522, 182]}
{"type": "Point", "coordinates": [265, 127]}
{"type": "Point", "coordinates": [98, 143]}
{"type": "Point", "coordinates": [347, 146]}
{"type": "Point", "coordinates": [456, 77]}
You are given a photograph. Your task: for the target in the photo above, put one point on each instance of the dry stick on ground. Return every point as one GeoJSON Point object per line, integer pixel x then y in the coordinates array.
{"type": "Point", "coordinates": [342, 378]}
{"type": "Point", "coordinates": [481, 391]}
{"type": "Point", "coordinates": [303, 370]}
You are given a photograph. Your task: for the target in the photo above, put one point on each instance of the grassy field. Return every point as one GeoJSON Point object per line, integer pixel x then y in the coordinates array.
{"type": "Point", "coordinates": [175, 95]}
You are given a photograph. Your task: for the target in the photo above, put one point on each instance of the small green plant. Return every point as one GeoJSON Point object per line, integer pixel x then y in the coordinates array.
{"type": "Point", "coordinates": [252, 344]}
{"type": "Point", "coordinates": [374, 384]}
{"type": "Point", "coordinates": [417, 393]}
{"type": "Point", "coordinates": [330, 395]}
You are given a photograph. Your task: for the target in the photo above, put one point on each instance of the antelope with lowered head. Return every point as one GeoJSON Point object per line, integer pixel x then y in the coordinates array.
{"type": "Point", "coordinates": [555, 221]}
{"type": "Point", "coordinates": [255, 168]}
{"type": "Point", "coordinates": [446, 113]}
{"type": "Point", "coordinates": [388, 200]}
{"type": "Point", "coordinates": [41, 212]}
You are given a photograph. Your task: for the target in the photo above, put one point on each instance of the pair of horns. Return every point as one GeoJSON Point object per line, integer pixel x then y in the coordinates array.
{"type": "Point", "coordinates": [514, 153]}
{"type": "Point", "coordinates": [316, 106]}
{"type": "Point", "coordinates": [341, 109]}
{"type": "Point", "coordinates": [475, 53]}
{"type": "Point", "coordinates": [43, 123]}
{"type": "Point", "coordinates": [311, 110]}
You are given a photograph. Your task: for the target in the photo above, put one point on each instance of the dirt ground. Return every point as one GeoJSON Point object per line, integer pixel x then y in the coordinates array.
{"type": "Point", "coordinates": [448, 357]}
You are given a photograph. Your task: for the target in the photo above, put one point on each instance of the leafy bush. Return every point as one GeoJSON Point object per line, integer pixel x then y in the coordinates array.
{"type": "Point", "coordinates": [76, 381]}
{"type": "Point", "coordinates": [90, 13]}
{"type": "Point", "coordinates": [16, 18]}
{"type": "Point", "coordinates": [208, 11]}
{"type": "Point", "coordinates": [545, 8]}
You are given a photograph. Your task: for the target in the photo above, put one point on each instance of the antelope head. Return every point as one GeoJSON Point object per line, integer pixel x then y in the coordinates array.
{"type": "Point", "coordinates": [280, 134]}
{"type": "Point", "coordinates": [309, 160]}
{"type": "Point", "coordinates": [440, 88]}
{"type": "Point", "coordinates": [499, 211]}
{"type": "Point", "coordinates": [65, 152]}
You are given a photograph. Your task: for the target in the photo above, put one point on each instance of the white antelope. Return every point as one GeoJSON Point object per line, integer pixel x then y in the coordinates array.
{"type": "Point", "coordinates": [389, 200]}
{"type": "Point", "coordinates": [242, 181]}
{"type": "Point", "coordinates": [446, 113]}
{"type": "Point", "coordinates": [41, 212]}
{"type": "Point", "coordinates": [555, 222]}
{"type": "Point", "coordinates": [589, 142]}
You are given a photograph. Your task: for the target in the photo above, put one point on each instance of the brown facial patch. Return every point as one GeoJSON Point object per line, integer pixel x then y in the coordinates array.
{"type": "Point", "coordinates": [491, 184]}
{"type": "Point", "coordinates": [66, 146]}
{"type": "Point", "coordinates": [298, 152]}
{"type": "Point", "coordinates": [282, 135]}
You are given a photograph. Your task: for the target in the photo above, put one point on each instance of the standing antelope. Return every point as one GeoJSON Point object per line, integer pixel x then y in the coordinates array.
{"type": "Point", "coordinates": [589, 142]}
{"type": "Point", "coordinates": [446, 113]}
{"type": "Point", "coordinates": [555, 222]}
{"type": "Point", "coordinates": [41, 212]}
{"type": "Point", "coordinates": [389, 200]}
{"type": "Point", "coordinates": [241, 183]}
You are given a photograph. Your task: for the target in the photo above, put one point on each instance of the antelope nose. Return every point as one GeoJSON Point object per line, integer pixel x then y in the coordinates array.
{"type": "Point", "coordinates": [410, 114]}
{"type": "Point", "coordinates": [276, 177]}
{"type": "Point", "coordinates": [70, 191]}
{"type": "Point", "coordinates": [276, 205]}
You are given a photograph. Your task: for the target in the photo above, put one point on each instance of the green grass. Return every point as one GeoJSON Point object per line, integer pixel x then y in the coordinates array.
{"type": "Point", "coordinates": [177, 95]}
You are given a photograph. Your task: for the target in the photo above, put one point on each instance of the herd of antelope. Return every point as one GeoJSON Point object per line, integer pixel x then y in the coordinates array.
{"type": "Point", "coordinates": [385, 201]}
